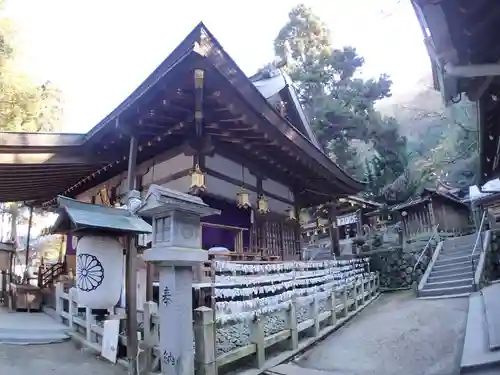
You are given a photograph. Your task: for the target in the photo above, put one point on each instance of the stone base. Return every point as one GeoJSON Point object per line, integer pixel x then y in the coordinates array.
{"type": "Point", "coordinates": [175, 256]}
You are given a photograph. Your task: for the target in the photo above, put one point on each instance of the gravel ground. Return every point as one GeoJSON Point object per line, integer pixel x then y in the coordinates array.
{"type": "Point", "coordinates": [53, 359]}
{"type": "Point", "coordinates": [397, 334]}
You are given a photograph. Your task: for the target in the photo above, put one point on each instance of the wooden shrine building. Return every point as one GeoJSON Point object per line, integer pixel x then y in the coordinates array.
{"type": "Point", "coordinates": [430, 210]}
{"type": "Point", "coordinates": [351, 216]}
{"type": "Point", "coordinates": [196, 124]}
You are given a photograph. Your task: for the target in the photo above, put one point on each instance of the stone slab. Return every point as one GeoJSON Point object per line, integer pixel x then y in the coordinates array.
{"type": "Point", "coordinates": [476, 353]}
{"type": "Point", "coordinates": [491, 298]}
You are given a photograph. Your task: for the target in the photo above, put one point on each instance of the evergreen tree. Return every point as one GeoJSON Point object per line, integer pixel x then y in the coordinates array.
{"type": "Point", "coordinates": [24, 105]}
{"type": "Point", "coordinates": [340, 106]}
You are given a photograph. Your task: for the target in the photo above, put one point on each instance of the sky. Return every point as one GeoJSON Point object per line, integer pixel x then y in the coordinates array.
{"type": "Point", "coordinates": [98, 51]}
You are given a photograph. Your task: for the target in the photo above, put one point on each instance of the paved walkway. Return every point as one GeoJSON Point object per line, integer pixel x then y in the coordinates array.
{"type": "Point", "coordinates": [30, 328]}
{"type": "Point", "coordinates": [61, 357]}
{"type": "Point", "coordinates": [397, 334]}
{"type": "Point", "coordinates": [53, 359]}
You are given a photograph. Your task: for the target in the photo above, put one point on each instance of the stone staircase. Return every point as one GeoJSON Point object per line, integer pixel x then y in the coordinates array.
{"type": "Point", "coordinates": [481, 353]}
{"type": "Point", "coordinates": [452, 273]}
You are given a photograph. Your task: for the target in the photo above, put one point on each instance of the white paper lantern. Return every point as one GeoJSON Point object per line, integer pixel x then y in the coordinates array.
{"type": "Point", "coordinates": [99, 271]}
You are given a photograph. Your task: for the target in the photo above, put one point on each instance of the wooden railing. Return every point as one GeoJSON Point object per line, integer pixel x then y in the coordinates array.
{"type": "Point", "coordinates": [341, 305]}
{"type": "Point", "coordinates": [48, 274]}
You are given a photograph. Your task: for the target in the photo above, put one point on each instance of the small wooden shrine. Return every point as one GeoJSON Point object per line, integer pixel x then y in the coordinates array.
{"type": "Point", "coordinates": [432, 208]}
{"type": "Point", "coordinates": [352, 214]}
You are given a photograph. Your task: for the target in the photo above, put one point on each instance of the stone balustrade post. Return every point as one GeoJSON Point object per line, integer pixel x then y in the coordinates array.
{"type": "Point", "coordinates": [362, 290]}
{"type": "Point", "coordinates": [204, 337]}
{"type": "Point", "coordinates": [355, 293]}
{"type": "Point", "coordinates": [314, 310]}
{"type": "Point", "coordinates": [258, 338]}
{"type": "Point", "coordinates": [345, 301]}
{"type": "Point", "coordinates": [292, 326]}
{"type": "Point", "coordinates": [150, 334]}
{"type": "Point", "coordinates": [59, 301]}
{"type": "Point", "coordinates": [333, 309]}
{"type": "Point", "coordinates": [71, 306]}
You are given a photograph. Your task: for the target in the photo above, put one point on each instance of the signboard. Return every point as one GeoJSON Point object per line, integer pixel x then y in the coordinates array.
{"type": "Point", "coordinates": [110, 340]}
{"type": "Point", "coordinates": [347, 219]}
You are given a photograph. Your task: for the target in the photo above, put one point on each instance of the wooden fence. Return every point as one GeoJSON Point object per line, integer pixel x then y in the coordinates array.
{"type": "Point", "coordinates": [341, 304]}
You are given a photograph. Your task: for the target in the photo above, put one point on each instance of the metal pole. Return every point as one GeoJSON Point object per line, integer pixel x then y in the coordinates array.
{"type": "Point", "coordinates": [131, 272]}
{"type": "Point", "coordinates": [28, 243]}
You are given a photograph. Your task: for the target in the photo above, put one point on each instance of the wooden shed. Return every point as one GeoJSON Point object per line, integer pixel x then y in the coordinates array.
{"type": "Point", "coordinates": [433, 208]}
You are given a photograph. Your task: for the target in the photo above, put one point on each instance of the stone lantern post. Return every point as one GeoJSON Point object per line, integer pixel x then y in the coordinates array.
{"type": "Point", "coordinates": [175, 249]}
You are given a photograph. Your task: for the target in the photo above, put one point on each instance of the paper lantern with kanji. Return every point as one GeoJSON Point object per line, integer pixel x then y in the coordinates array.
{"type": "Point", "coordinates": [99, 271]}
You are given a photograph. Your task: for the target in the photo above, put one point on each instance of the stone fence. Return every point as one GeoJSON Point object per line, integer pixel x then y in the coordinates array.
{"type": "Point", "coordinates": [280, 317]}
{"type": "Point", "coordinates": [395, 265]}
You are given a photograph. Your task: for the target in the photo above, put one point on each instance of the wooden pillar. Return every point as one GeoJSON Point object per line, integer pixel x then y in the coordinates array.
{"type": "Point", "coordinates": [359, 224]}
{"type": "Point", "coordinates": [131, 271]}
{"type": "Point", "coordinates": [298, 233]}
{"type": "Point", "coordinates": [27, 253]}
{"type": "Point", "coordinates": [259, 218]}
{"type": "Point", "coordinates": [445, 219]}
{"type": "Point", "coordinates": [334, 230]}
{"type": "Point", "coordinates": [431, 214]}
{"type": "Point", "coordinates": [428, 217]}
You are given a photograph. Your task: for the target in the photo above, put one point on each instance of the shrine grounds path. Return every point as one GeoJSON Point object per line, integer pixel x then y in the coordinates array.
{"type": "Point", "coordinates": [53, 359]}
{"type": "Point", "coordinates": [397, 334]}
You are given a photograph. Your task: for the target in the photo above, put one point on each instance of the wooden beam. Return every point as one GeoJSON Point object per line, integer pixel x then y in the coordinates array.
{"type": "Point", "coordinates": [48, 158]}
{"type": "Point", "coordinates": [46, 140]}
{"type": "Point", "coordinates": [238, 182]}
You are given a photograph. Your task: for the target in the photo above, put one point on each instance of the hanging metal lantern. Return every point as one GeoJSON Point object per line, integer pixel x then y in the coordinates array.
{"type": "Point", "coordinates": [243, 199]}
{"type": "Point", "coordinates": [290, 212]}
{"type": "Point", "coordinates": [262, 206]}
{"type": "Point", "coordinates": [305, 217]}
{"type": "Point", "coordinates": [197, 180]}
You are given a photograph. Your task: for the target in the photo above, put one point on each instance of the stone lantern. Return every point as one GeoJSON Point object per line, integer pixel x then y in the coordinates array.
{"type": "Point", "coordinates": [175, 249]}
{"type": "Point", "coordinates": [7, 252]}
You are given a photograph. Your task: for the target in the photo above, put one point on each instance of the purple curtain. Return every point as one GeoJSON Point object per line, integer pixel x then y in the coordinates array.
{"type": "Point", "coordinates": [230, 215]}
{"type": "Point", "coordinates": [69, 245]}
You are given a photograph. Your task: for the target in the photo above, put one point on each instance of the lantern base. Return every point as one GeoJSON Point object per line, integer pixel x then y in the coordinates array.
{"type": "Point", "coordinates": [176, 256]}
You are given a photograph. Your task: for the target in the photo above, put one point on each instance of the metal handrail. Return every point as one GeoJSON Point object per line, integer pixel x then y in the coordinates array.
{"type": "Point", "coordinates": [479, 236]}
{"type": "Point", "coordinates": [425, 248]}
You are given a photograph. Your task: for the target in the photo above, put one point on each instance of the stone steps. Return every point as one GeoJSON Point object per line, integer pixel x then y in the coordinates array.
{"type": "Point", "coordinates": [480, 351]}
{"type": "Point", "coordinates": [452, 276]}
{"type": "Point", "coordinates": [456, 270]}
{"type": "Point", "coordinates": [452, 272]}
{"type": "Point", "coordinates": [445, 291]}
{"type": "Point", "coordinates": [448, 283]}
